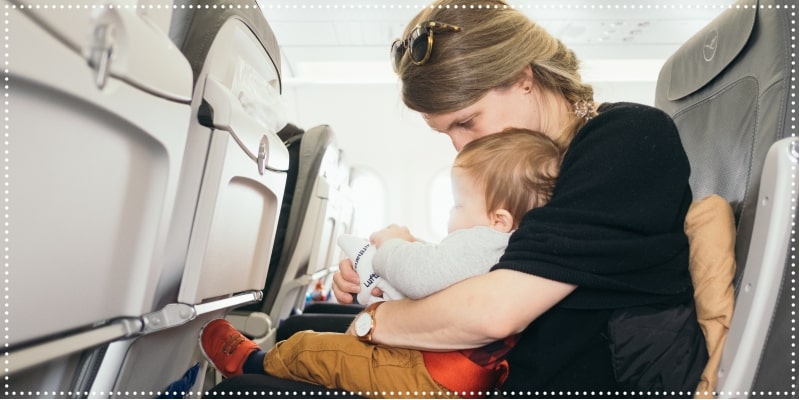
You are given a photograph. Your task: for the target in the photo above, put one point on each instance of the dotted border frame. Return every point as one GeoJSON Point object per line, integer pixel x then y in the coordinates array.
{"type": "Point", "coordinates": [7, 204]}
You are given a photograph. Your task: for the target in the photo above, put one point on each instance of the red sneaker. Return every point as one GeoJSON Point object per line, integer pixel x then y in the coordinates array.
{"type": "Point", "coordinates": [225, 347]}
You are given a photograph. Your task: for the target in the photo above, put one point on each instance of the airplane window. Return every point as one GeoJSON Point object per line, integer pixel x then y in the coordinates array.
{"type": "Point", "coordinates": [441, 201]}
{"type": "Point", "coordinates": [369, 202]}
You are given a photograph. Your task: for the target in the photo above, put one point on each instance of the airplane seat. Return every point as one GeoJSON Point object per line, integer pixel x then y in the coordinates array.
{"type": "Point", "coordinates": [249, 318]}
{"type": "Point", "coordinates": [232, 179]}
{"type": "Point", "coordinates": [315, 211]}
{"type": "Point", "coordinates": [729, 90]}
{"type": "Point", "coordinates": [95, 144]}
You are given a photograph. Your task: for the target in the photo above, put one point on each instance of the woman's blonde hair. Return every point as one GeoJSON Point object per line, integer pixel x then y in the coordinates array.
{"type": "Point", "coordinates": [496, 43]}
{"type": "Point", "coordinates": [517, 168]}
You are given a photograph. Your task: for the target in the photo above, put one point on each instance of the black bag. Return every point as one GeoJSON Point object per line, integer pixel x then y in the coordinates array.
{"type": "Point", "coordinates": [656, 349]}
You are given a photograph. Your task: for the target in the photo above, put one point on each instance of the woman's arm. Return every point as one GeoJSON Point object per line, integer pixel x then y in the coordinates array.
{"type": "Point", "coordinates": [468, 314]}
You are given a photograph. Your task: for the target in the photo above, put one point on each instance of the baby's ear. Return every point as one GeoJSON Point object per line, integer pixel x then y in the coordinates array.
{"type": "Point", "coordinates": [502, 220]}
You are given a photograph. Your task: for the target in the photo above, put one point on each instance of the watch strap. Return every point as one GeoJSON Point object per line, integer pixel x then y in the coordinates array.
{"type": "Point", "coordinates": [367, 337]}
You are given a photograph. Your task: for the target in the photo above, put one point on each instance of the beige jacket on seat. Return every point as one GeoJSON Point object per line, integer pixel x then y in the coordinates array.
{"type": "Point", "coordinates": [712, 235]}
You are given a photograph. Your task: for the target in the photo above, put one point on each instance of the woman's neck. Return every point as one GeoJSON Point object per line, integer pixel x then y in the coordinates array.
{"type": "Point", "coordinates": [556, 114]}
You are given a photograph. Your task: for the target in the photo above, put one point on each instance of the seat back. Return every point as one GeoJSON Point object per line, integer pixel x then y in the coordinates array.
{"type": "Point", "coordinates": [232, 178]}
{"type": "Point", "coordinates": [291, 136]}
{"type": "Point", "coordinates": [729, 90]}
{"type": "Point", "coordinates": [320, 211]}
{"type": "Point", "coordinates": [94, 184]}
{"type": "Point", "coordinates": [160, 187]}
{"type": "Point", "coordinates": [315, 213]}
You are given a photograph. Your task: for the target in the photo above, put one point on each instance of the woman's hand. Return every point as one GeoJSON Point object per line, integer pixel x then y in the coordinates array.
{"type": "Point", "coordinates": [391, 232]}
{"type": "Point", "coordinates": [346, 282]}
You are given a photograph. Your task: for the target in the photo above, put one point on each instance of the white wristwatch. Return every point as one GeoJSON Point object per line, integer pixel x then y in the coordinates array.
{"type": "Point", "coordinates": [365, 322]}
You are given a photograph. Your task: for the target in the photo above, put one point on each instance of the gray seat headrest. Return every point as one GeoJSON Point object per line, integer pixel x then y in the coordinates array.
{"type": "Point", "coordinates": [705, 55]}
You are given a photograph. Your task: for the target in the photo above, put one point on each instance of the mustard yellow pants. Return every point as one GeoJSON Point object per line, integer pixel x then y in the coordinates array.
{"type": "Point", "coordinates": [339, 361]}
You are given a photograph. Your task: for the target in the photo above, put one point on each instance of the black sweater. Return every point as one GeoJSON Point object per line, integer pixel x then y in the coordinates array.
{"type": "Point", "coordinates": [614, 227]}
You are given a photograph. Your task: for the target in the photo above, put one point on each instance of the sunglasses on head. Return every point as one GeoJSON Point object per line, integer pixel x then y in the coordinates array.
{"type": "Point", "coordinates": [419, 43]}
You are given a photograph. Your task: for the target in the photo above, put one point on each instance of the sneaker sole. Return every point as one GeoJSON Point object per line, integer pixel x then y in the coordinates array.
{"type": "Point", "coordinates": [202, 350]}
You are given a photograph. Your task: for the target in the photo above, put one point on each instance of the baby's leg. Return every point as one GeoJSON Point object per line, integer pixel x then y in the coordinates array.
{"type": "Point", "coordinates": [339, 361]}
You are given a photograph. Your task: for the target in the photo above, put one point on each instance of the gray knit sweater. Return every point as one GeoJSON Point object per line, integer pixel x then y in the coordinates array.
{"type": "Point", "coordinates": [419, 269]}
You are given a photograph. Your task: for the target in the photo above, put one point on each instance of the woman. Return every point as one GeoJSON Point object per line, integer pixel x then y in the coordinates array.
{"type": "Point", "coordinates": [597, 281]}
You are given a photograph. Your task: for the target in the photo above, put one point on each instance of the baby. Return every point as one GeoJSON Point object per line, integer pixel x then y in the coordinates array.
{"type": "Point", "coordinates": [496, 179]}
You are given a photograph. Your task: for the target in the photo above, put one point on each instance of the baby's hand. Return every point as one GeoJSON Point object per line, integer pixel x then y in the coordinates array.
{"type": "Point", "coordinates": [391, 232]}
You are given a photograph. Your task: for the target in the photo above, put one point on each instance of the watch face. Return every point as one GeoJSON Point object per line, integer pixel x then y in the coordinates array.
{"type": "Point", "coordinates": [363, 324]}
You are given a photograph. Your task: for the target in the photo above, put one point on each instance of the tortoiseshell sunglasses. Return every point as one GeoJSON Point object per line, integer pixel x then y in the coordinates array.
{"type": "Point", "coordinates": [419, 43]}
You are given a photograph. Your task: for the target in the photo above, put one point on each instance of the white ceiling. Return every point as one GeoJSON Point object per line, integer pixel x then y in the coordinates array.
{"type": "Point", "coordinates": [616, 40]}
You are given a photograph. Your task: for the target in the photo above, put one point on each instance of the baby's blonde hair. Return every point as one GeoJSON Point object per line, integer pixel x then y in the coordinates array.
{"type": "Point", "coordinates": [517, 169]}
{"type": "Point", "coordinates": [495, 45]}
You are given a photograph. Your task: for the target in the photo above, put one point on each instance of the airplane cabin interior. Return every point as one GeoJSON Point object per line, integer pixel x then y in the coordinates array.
{"type": "Point", "coordinates": [168, 163]}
